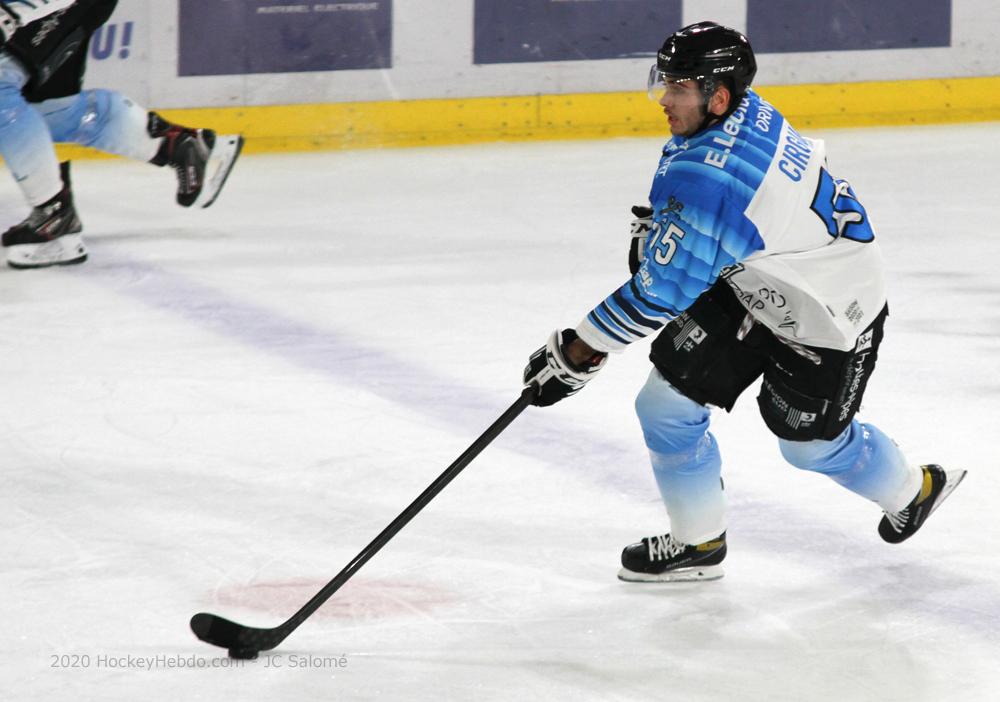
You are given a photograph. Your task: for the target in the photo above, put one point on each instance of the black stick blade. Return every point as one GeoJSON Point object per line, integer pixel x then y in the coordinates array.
{"type": "Point", "coordinates": [221, 632]}
{"type": "Point", "coordinates": [215, 630]}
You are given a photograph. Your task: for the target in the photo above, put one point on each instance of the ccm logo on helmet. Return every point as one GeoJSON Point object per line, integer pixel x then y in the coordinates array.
{"type": "Point", "coordinates": [724, 69]}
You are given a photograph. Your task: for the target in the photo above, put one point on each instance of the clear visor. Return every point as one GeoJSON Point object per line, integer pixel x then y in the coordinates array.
{"type": "Point", "coordinates": [680, 89]}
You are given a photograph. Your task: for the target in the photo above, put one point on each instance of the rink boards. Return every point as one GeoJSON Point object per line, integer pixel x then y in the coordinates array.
{"type": "Point", "coordinates": [309, 127]}
{"type": "Point", "coordinates": [305, 76]}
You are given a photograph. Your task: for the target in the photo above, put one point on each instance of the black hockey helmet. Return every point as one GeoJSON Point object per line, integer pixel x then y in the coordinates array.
{"type": "Point", "coordinates": [709, 53]}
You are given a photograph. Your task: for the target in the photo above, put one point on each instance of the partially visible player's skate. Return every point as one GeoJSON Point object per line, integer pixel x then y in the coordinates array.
{"type": "Point", "coordinates": [202, 159]}
{"type": "Point", "coordinates": [936, 486]}
{"type": "Point", "coordinates": [661, 559]}
{"type": "Point", "coordinates": [50, 236]}
{"type": "Point", "coordinates": [221, 160]}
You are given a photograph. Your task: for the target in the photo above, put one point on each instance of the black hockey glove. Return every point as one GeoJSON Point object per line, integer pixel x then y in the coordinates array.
{"type": "Point", "coordinates": [555, 377]}
{"type": "Point", "coordinates": [641, 226]}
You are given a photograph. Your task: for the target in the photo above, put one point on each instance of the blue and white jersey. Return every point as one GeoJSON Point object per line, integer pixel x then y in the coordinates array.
{"type": "Point", "coordinates": [751, 199]}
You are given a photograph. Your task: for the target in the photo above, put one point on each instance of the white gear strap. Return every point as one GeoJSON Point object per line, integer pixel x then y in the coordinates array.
{"type": "Point", "coordinates": [639, 230]}
{"type": "Point", "coordinates": [640, 226]}
{"type": "Point", "coordinates": [25, 12]}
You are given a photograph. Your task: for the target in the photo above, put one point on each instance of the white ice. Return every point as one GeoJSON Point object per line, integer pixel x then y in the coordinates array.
{"type": "Point", "coordinates": [221, 408]}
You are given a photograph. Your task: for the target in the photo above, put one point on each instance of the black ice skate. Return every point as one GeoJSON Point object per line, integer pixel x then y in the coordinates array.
{"type": "Point", "coordinates": [201, 158]}
{"type": "Point", "coordinates": [936, 486]}
{"type": "Point", "coordinates": [50, 236]}
{"type": "Point", "coordinates": [661, 559]}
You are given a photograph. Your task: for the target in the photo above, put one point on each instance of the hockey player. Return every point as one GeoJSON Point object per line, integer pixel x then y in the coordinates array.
{"type": "Point", "coordinates": [43, 53]}
{"type": "Point", "coordinates": [753, 259]}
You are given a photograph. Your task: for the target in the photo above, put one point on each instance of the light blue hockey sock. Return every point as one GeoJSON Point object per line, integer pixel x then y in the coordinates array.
{"type": "Point", "coordinates": [685, 459]}
{"type": "Point", "coordinates": [25, 142]}
{"type": "Point", "coordinates": [105, 120]}
{"type": "Point", "coordinates": [863, 460]}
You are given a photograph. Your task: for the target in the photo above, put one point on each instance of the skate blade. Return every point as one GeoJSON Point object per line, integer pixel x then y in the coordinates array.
{"type": "Point", "coordinates": [64, 251]}
{"type": "Point", "coordinates": [680, 575]}
{"type": "Point", "coordinates": [952, 479]}
{"type": "Point", "coordinates": [220, 162]}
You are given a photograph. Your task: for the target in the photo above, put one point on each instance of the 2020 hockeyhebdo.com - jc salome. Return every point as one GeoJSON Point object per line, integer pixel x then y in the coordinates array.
{"type": "Point", "coordinates": [113, 661]}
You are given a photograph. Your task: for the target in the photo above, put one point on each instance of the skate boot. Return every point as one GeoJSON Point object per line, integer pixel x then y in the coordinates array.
{"type": "Point", "coordinates": [937, 485]}
{"type": "Point", "coordinates": [50, 236]}
{"type": "Point", "coordinates": [662, 559]}
{"type": "Point", "coordinates": [202, 159]}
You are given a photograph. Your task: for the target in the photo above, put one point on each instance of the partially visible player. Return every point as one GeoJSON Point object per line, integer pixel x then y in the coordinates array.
{"type": "Point", "coordinates": [43, 54]}
{"type": "Point", "coordinates": [753, 259]}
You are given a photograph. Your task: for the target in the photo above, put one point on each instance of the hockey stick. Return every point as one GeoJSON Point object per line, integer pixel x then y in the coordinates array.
{"type": "Point", "coordinates": [247, 641]}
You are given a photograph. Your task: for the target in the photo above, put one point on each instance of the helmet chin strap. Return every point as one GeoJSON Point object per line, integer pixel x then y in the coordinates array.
{"type": "Point", "coordinates": [709, 119]}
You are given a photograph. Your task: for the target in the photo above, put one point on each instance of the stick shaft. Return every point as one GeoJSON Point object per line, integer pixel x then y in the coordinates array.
{"type": "Point", "coordinates": [410, 512]}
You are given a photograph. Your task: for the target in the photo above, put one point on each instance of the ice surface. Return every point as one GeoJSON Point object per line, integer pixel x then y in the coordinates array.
{"type": "Point", "coordinates": [222, 407]}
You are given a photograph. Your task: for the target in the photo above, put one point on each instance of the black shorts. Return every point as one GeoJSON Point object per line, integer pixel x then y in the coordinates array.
{"type": "Point", "coordinates": [54, 50]}
{"type": "Point", "coordinates": [714, 350]}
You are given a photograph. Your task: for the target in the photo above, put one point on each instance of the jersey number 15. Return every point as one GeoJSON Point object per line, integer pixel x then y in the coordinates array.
{"type": "Point", "coordinates": [666, 245]}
